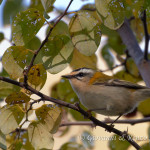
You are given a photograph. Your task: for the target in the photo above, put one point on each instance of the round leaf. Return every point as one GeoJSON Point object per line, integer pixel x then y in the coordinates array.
{"type": "Point", "coordinates": [49, 116]}
{"type": "Point", "coordinates": [47, 4]}
{"type": "Point", "coordinates": [17, 98]}
{"type": "Point", "coordinates": [7, 88]}
{"type": "Point", "coordinates": [60, 28]}
{"type": "Point", "coordinates": [111, 12]}
{"type": "Point", "coordinates": [85, 32]}
{"type": "Point", "coordinates": [37, 76]}
{"type": "Point", "coordinates": [39, 136]}
{"type": "Point", "coordinates": [26, 25]}
{"type": "Point", "coordinates": [79, 60]}
{"type": "Point", "coordinates": [36, 4]}
{"type": "Point", "coordinates": [34, 44]}
{"type": "Point", "coordinates": [10, 117]}
{"type": "Point", "coordinates": [57, 53]}
{"type": "Point", "coordinates": [15, 59]}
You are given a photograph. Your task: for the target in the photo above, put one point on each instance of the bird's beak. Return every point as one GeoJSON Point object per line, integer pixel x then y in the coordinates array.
{"type": "Point", "coordinates": [68, 76]}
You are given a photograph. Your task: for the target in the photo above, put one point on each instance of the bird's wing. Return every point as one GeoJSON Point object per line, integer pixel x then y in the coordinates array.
{"type": "Point", "coordinates": [120, 83]}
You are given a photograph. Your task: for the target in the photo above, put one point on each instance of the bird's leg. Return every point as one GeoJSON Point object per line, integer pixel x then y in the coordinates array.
{"type": "Point", "coordinates": [112, 124]}
{"type": "Point", "coordinates": [115, 120]}
{"type": "Point", "coordinates": [90, 110]}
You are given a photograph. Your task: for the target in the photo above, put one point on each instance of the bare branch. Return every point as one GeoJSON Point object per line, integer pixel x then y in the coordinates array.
{"type": "Point", "coordinates": [135, 51]}
{"type": "Point", "coordinates": [90, 123]}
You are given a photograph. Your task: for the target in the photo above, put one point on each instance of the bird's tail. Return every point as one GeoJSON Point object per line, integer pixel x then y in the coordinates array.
{"type": "Point", "coordinates": [142, 94]}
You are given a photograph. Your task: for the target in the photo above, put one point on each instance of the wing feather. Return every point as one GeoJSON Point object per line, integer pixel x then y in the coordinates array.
{"type": "Point", "coordinates": [120, 83]}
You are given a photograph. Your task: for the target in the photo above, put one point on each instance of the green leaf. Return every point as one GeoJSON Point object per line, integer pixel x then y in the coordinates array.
{"type": "Point", "coordinates": [116, 44]}
{"type": "Point", "coordinates": [145, 146]}
{"type": "Point", "coordinates": [17, 145]}
{"type": "Point", "coordinates": [10, 117]}
{"type": "Point", "coordinates": [72, 146]}
{"type": "Point", "coordinates": [15, 59]}
{"type": "Point", "coordinates": [107, 55]}
{"type": "Point", "coordinates": [111, 12]}
{"type": "Point", "coordinates": [26, 25]}
{"type": "Point", "coordinates": [39, 136]}
{"type": "Point", "coordinates": [85, 32]}
{"type": "Point", "coordinates": [118, 143]}
{"type": "Point", "coordinates": [50, 117]}
{"type": "Point", "coordinates": [57, 53]}
{"type": "Point", "coordinates": [22, 142]}
{"type": "Point", "coordinates": [63, 89]}
{"type": "Point", "coordinates": [79, 60]}
{"type": "Point", "coordinates": [4, 73]}
{"type": "Point", "coordinates": [11, 8]}
{"type": "Point", "coordinates": [36, 4]}
{"type": "Point", "coordinates": [17, 98]}
{"type": "Point", "coordinates": [3, 141]}
{"type": "Point", "coordinates": [37, 76]}
{"type": "Point", "coordinates": [47, 4]}
{"type": "Point", "coordinates": [25, 140]}
{"type": "Point", "coordinates": [34, 44]}
{"type": "Point", "coordinates": [132, 68]}
{"type": "Point", "coordinates": [7, 88]}
{"type": "Point", "coordinates": [1, 36]}
{"type": "Point", "coordinates": [144, 107]}
{"type": "Point", "coordinates": [60, 29]}
{"type": "Point", "coordinates": [126, 76]}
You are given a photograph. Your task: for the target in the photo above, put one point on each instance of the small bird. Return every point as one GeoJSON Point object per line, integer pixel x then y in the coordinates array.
{"type": "Point", "coordinates": [104, 94]}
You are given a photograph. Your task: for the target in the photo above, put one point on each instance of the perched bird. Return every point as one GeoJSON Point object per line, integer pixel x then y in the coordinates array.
{"type": "Point", "coordinates": [104, 94]}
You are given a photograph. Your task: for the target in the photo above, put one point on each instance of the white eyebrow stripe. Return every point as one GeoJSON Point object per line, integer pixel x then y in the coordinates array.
{"type": "Point", "coordinates": [85, 70]}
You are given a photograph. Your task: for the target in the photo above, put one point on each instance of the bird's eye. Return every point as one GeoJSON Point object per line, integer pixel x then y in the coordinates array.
{"type": "Point", "coordinates": [81, 74]}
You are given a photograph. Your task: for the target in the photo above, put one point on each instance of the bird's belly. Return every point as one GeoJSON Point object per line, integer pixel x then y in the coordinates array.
{"type": "Point", "coordinates": [109, 102]}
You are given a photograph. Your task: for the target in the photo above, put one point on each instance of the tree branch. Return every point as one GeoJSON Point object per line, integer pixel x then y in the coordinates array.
{"type": "Point", "coordinates": [43, 43]}
{"type": "Point", "coordinates": [90, 123]}
{"type": "Point", "coordinates": [74, 107]}
{"type": "Point", "coordinates": [135, 51]}
{"type": "Point", "coordinates": [143, 18]}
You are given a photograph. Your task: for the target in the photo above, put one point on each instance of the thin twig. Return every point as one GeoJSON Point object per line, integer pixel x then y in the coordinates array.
{"type": "Point", "coordinates": [146, 35]}
{"type": "Point", "coordinates": [43, 43]}
{"type": "Point", "coordinates": [30, 108]}
{"type": "Point", "coordinates": [76, 108]}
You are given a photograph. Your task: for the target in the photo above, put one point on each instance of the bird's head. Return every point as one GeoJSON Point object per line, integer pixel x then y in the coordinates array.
{"type": "Point", "coordinates": [80, 75]}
